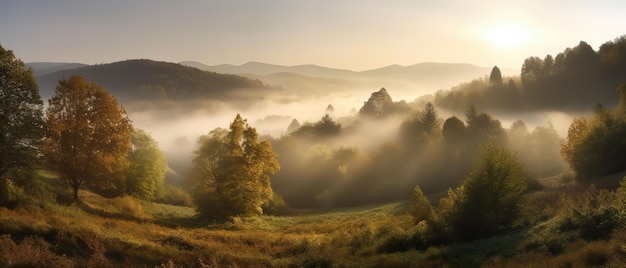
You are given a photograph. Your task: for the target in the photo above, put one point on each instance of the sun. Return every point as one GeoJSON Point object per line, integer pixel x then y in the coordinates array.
{"type": "Point", "coordinates": [507, 35]}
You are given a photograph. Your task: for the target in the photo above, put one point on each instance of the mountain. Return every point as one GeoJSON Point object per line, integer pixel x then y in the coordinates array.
{"type": "Point", "coordinates": [259, 68]}
{"type": "Point", "coordinates": [421, 78]}
{"type": "Point", "coordinates": [140, 80]}
{"type": "Point", "coordinates": [43, 68]}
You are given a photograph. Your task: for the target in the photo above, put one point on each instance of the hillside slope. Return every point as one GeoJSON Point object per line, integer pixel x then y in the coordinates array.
{"type": "Point", "coordinates": [134, 80]}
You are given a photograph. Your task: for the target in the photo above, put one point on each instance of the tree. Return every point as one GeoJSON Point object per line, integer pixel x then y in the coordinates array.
{"type": "Point", "coordinates": [496, 76]}
{"type": "Point", "coordinates": [88, 137]}
{"type": "Point", "coordinates": [231, 174]}
{"type": "Point", "coordinates": [420, 208]}
{"type": "Point", "coordinates": [488, 199]}
{"type": "Point", "coordinates": [454, 131]}
{"type": "Point", "coordinates": [21, 115]}
{"type": "Point", "coordinates": [293, 126]}
{"type": "Point", "coordinates": [147, 166]}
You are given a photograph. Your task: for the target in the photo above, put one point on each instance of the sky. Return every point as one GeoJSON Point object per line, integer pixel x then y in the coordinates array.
{"type": "Point", "coordinates": [356, 35]}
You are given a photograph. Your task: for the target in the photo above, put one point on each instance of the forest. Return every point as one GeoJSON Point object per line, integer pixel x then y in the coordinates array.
{"type": "Point", "coordinates": [439, 181]}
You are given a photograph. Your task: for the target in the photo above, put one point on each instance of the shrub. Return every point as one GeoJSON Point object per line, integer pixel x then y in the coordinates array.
{"type": "Point", "coordinates": [130, 207]}
{"type": "Point", "coordinates": [174, 195]}
{"type": "Point", "coordinates": [30, 252]}
{"type": "Point", "coordinates": [595, 215]}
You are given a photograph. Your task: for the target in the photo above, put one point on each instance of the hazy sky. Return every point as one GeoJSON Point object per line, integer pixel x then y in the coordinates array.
{"type": "Point", "coordinates": [355, 35]}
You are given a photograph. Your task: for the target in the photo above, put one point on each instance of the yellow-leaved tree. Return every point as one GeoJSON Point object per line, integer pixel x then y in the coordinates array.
{"type": "Point", "coordinates": [87, 137]}
{"type": "Point", "coordinates": [231, 173]}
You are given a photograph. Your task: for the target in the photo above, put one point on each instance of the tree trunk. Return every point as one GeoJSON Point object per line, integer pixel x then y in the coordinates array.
{"type": "Point", "coordinates": [75, 189]}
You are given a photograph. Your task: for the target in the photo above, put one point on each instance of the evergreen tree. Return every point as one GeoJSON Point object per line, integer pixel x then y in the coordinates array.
{"type": "Point", "coordinates": [496, 76]}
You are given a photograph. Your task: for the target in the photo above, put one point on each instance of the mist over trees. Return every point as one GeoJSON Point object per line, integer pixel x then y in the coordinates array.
{"type": "Point", "coordinates": [574, 80]}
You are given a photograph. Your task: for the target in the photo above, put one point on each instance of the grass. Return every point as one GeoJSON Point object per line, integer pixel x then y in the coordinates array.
{"type": "Point", "coordinates": [101, 232]}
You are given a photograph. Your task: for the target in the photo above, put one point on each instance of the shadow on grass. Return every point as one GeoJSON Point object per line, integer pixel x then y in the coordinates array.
{"type": "Point", "coordinates": [478, 252]}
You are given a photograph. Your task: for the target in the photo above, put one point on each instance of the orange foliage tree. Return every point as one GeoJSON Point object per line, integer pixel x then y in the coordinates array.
{"type": "Point", "coordinates": [88, 137]}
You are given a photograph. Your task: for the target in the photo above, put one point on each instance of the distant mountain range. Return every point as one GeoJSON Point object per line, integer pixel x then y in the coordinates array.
{"type": "Point", "coordinates": [43, 68]}
{"type": "Point", "coordinates": [151, 80]}
{"type": "Point", "coordinates": [422, 77]}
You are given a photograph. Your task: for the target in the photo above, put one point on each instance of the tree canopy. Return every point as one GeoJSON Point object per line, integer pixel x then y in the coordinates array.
{"type": "Point", "coordinates": [21, 114]}
{"type": "Point", "coordinates": [147, 166]}
{"type": "Point", "coordinates": [88, 137]}
{"type": "Point", "coordinates": [21, 126]}
{"type": "Point", "coordinates": [231, 174]}
{"type": "Point", "coordinates": [488, 199]}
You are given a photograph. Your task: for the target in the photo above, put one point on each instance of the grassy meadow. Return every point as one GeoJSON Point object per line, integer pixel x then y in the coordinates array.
{"type": "Point", "coordinates": [101, 232]}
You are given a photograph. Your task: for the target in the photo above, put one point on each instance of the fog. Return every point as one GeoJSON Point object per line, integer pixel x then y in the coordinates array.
{"type": "Point", "coordinates": [371, 159]}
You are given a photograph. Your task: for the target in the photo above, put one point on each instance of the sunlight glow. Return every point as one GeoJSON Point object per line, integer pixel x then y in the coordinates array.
{"type": "Point", "coordinates": [508, 35]}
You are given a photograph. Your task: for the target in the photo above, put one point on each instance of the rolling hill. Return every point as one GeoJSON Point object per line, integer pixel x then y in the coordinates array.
{"type": "Point", "coordinates": [147, 80]}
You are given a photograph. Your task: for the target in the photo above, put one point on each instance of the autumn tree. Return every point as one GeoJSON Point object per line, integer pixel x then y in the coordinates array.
{"type": "Point", "coordinates": [488, 199]}
{"type": "Point", "coordinates": [595, 148]}
{"type": "Point", "coordinates": [21, 121]}
{"type": "Point", "coordinates": [231, 174]}
{"type": "Point", "coordinates": [88, 137]}
{"type": "Point", "coordinates": [147, 166]}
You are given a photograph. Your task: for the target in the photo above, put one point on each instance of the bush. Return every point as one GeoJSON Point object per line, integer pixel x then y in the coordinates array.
{"type": "Point", "coordinates": [130, 207]}
{"type": "Point", "coordinates": [174, 195]}
{"type": "Point", "coordinates": [595, 215]}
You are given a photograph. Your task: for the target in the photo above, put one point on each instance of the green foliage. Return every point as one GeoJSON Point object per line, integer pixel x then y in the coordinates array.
{"type": "Point", "coordinates": [595, 215]}
{"type": "Point", "coordinates": [173, 195]}
{"type": "Point", "coordinates": [488, 201]}
{"type": "Point", "coordinates": [147, 167]}
{"type": "Point", "coordinates": [231, 174]}
{"type": "Point", "coordinates": [419, 207]}
{"type": "Point", "coordinates": [596, 147]}
{"type": "Point", "coordinates": [21, 123]}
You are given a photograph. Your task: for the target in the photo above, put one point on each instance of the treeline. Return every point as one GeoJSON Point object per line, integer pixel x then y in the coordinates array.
{"type": "Point", "coordinates": [573, 80]}
{"type": "Point", "coordinates": [319, 170]}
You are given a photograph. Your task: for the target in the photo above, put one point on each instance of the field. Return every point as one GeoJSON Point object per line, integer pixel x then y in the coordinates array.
{"type": "Point", "coordinates": [100, 232]}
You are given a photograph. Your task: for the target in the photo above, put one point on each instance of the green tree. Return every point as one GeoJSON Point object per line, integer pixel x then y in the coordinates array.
{"type": "Point", "coordinates": [420, 208]}
{"type": "Point", "coordinates": [88, 137]}
{"type": "Point", "coordinates": [487, 201]}
{"type": "Point", "coordinates": [231, 174]}
{"type": "Point", "coordinates": [596, 147]}
{"type": "Point", "coordinates": [147, 167]}
{"type": "Point", "coordinates": [496, 76]}
{"type": "Point", "coordinates": [21, 116]}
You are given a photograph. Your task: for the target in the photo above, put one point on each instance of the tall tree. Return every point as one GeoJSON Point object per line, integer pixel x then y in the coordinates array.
{"type": "Point", "coordinates": [146, 172]}
{"type": "Point", "coordinates": [88, 136]}
{"type": "Point", "coordinates": [496, 76]}
{"type": "Point", "coordinates": [21, 115]}
{"type": "Point", "coordinates": [488, 199]}
{"type": "Point", "coordinates": [231, 174]}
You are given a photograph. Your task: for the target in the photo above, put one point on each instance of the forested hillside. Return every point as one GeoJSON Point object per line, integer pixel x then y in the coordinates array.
{"type": "Point", "coordinates": [576, 79]}
{"type": "Point", "coordinates": [147, 80]}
